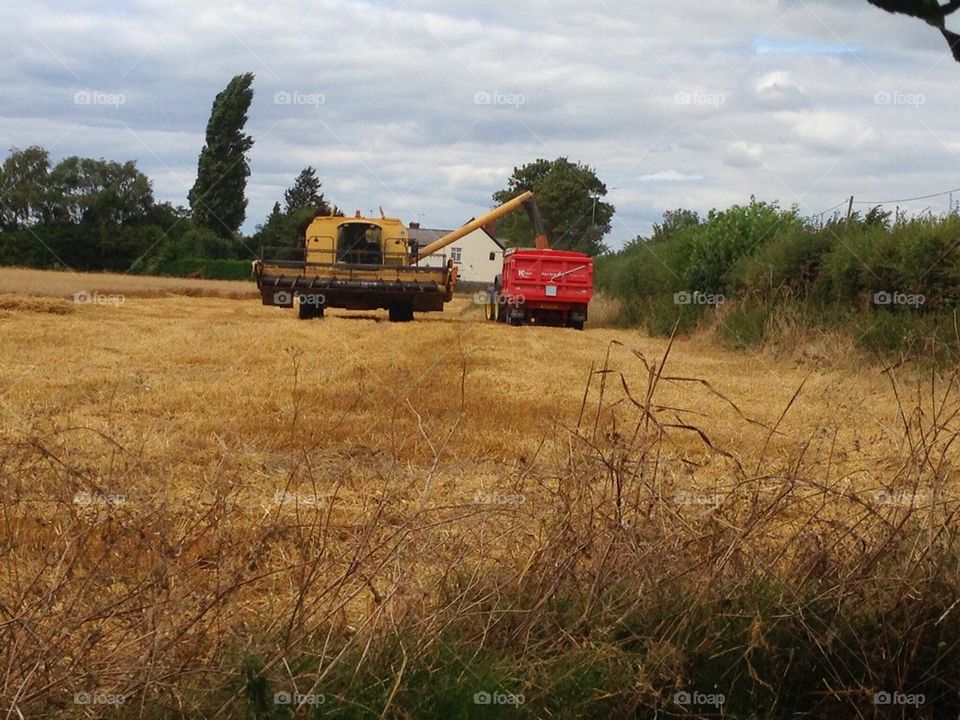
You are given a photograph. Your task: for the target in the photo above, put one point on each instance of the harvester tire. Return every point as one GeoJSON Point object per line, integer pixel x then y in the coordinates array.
{"type": "Point", "coordinates": [401, 312]}
{"type": "Point", "coordinates": [309, 312]}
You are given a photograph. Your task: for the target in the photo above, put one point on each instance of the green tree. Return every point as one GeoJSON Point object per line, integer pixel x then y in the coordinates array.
{"type": "Point", "coordinates": [284, 229]}
{"type": "Point", "coordinates": [674, 222]}
{"type": "Point", "coordinates": [24, 188]}
{"type": "Point", "coordinates": [83, 190]}
{"type": "Point", "coordinates": [878, 216]}
{"type": "Point", "coordinates": [569, 196]}
{"type": "Point", "coordinates": [931, 12]}
{"type": "Point", "coordinates": [217, 199]}
{"type": "Point", "coordinates": [728, 236]}
{"type": "Point", "coordinates": [273, 231]}
{"type": "Point", "coordinates": [305, 194]}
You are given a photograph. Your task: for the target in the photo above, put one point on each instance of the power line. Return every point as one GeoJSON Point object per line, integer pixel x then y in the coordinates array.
{"type": "Point", "coordinates": [919, 197]}
{"type": "Point", "coordinates": [838, 205]}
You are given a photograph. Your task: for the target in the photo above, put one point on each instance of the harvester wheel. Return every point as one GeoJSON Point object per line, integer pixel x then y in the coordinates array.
{"type": "Point", "coordinates": [401, 312]}
{"type": "Point", "coordinates": [309, 312]}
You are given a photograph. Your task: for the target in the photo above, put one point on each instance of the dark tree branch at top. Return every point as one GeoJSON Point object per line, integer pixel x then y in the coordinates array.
{"type": "Point", "coordinates": [931, 12]}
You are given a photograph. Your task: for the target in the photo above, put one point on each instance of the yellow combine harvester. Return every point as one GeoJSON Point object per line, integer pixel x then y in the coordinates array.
{"type": "Point", "coordinates": [367, 264]}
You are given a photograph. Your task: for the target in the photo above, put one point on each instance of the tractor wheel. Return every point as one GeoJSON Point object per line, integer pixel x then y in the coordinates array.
{"type": "Point", "coordinates": [490, 307]}
{"type": "Point", "coordinates": [501, 309]}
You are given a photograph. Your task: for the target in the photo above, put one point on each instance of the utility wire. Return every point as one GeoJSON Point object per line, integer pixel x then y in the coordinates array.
{"type": "Point", "coordinates": [838, 205]}
{"type": "Point", "coordinates": [919, 197]}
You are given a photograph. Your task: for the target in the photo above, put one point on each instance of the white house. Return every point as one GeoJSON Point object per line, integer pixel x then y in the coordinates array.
{"type": "Point", "coordinates": [479, 255]}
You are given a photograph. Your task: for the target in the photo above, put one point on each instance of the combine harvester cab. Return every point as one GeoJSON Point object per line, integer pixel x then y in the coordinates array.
{"type": "Point", "coordinates": [543, 287]}
{"type": "Point", "coordinates": [364, 264]}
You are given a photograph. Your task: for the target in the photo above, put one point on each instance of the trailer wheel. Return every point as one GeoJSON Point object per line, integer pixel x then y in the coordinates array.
{"type": "Point", "coordinates": [577, 324]}
{"type": "Point", "coordinates": [401, 312]}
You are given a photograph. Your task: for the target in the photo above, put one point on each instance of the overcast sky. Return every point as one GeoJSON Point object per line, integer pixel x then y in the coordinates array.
{"type": "Point", "coordinates": [424, 107]}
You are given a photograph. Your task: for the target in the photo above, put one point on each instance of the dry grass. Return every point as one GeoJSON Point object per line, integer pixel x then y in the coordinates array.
{"type": "Point", "coordinates": [194, 489]}
{"type": "Point", "coordinates": [604, 311]}
{"type": "Point", "coordinates": [66, 284]}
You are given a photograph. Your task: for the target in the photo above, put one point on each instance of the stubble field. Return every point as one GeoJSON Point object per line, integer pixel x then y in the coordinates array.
{"type": "Point", "coordinates": [210, 508]}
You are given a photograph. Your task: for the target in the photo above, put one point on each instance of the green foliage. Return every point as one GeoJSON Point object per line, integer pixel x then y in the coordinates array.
{"type": "Point", "coordinates": [287, 228]}
{"type": "Point", "coordinates": [743, 326]}
{"type": "Point", "coordinates": [80, 247]}
{"type": "Point", "coordinates": [83, 214]}
{"type": "Point", "coordinates": [86, 214]}
{"type": "Point", "coordinates": [24, 189]}
{"type": "Point", "coordinates": [729, 236]}
{"type": "Point", "coordinates": [82, 190]}
{"type": "Point", "coordinates": [569, 196]}
{"type": "Point", "coordinates": [257, 688]}
{"type": "Point", "coordinates": [761, 645]}
{"type": "Point", "coordinates": [790, 262]}
{"type": "Point", "coordinates": [305, 194]}
{"type": "Point", "coordinates": [283, 229]}
{"type": "Point", "coordinates": [763, 259]}
{"type": "Point", "coordinates": [76, 190]}
{"type": "Point", "coordinates": [674, 222]}
{"type": "Point", "coordinates": [217, 197]}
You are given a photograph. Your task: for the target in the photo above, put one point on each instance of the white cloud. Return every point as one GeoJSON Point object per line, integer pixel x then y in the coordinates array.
{"type": "Point", "coordinates": [836, 130]}
{"type": "Point", "coordinates": [777, 91]}
{"type": "Point", "coordinates": [743, 154]}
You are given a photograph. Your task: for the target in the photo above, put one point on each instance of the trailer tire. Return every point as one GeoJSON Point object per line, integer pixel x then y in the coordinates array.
{"type": "Point", "coordinates": [577, 324]}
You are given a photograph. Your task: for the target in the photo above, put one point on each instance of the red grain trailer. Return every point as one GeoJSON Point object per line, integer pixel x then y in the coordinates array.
{"type": "Point", "coordinates": [542, 287]}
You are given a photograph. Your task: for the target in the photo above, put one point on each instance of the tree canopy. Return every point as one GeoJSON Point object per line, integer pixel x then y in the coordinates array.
{"type": "Point", "coordinates": [303, 201]}
{"type": "Point", "coordinates": [569, 196]}
{"type": "Point", "coordinates": [217, 199]}
{"type": "Point", "coordinates": [77, 190]}
{"type": "Point", "coordinates": [305, 194]}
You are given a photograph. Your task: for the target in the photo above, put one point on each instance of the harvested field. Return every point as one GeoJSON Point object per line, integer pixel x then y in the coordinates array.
{"type": "Point", "coordinates": [207, 504]}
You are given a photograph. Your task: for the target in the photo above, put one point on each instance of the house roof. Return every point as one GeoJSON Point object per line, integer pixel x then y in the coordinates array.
{"type": "Point", "coordinates": [424, 236]}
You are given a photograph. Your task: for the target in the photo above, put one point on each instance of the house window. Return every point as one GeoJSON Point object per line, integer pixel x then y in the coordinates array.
{"type": "Point", "coordinates": [455, 255]}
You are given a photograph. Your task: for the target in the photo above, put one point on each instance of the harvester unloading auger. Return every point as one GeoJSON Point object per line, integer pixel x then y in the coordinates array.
{"type": "Point", "coordinates": [368, 264]}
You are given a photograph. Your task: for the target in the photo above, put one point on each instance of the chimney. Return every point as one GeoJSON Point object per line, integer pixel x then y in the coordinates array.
{"type": "Point", "coordinates": [414, 226]}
